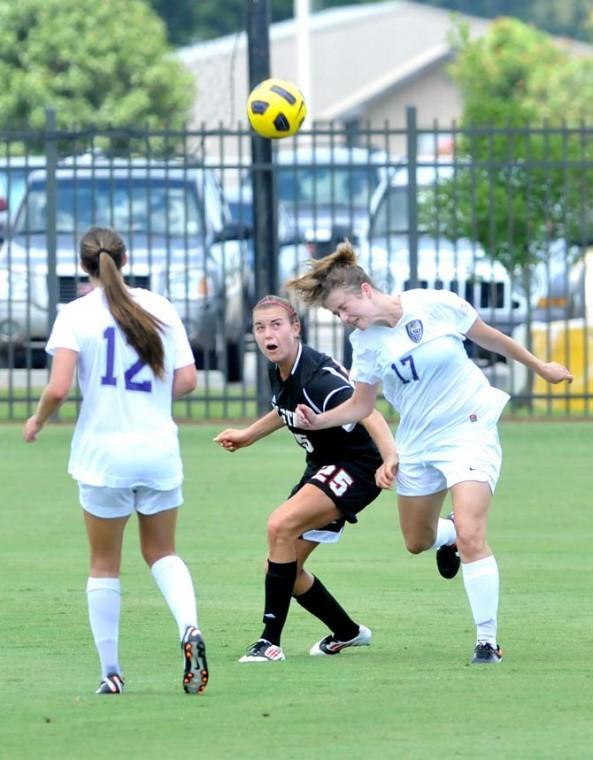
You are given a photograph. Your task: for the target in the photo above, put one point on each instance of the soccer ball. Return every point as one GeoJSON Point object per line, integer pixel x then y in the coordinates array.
{"type": "Point", "coordinates": [276, 108]}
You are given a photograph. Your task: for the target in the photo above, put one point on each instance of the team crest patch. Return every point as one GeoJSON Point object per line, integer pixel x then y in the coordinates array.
{"type": "Point", "coordinates": [415, 330]}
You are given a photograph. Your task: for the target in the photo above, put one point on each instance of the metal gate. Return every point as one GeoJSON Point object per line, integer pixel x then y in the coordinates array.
{"type": "Point", "coordinates": [501, 216]}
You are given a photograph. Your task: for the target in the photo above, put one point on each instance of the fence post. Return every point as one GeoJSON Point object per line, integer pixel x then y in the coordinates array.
{"type": "Point", "coordinates": [51, 156]}
{"type": "Point", "coordinates": [265, 232]}
{"type": "Point", "coordinates": [412, 161]}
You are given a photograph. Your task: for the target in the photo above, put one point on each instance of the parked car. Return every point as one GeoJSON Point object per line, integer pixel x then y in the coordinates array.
{"type": "Point", "coordinates": [181, 242]}
{"type": "Point", "coordinates": [293, 252]}
{"type": "Point", "coordinates": [14, 171]}
{"type": "Point", "coordinates": [561, 330]}
{"type": "Point", "coordinates": [461, 266]}
{"type": "Point", "coordinates": [326, 191]}
{"type": "Point", "coordinates": [558, 283]}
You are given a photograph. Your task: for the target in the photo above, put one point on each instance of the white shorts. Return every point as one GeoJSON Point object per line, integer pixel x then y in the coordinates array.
{"type": "Point", "coordinates": [449, 462]}
{"type": "Point", "coordinates": [102, 501]}
{"type": "Point", "coordinates": [323, 536]}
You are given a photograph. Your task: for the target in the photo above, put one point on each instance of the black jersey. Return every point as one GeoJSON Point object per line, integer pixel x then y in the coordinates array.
{"type": "Point", "coordinates": [321, 383]}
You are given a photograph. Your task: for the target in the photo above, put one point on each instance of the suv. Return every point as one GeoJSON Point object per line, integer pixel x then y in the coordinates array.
{"type": "Point", "coordinates": [461, 266]}
{"type": "Point", "coordinates": [180, 238]}
{"type": "Point", "coordinates": [14, 171]}
{"type": "Point", "coordinates": [326, 191]}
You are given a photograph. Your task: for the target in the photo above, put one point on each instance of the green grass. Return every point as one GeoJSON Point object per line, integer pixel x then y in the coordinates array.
{"type": "Point", "coordinates": [410, 695]}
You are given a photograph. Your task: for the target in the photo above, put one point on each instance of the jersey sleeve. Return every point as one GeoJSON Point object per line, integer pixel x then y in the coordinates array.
{"type": "Point", "coordinates": [328, 389]}
{"type": "Point", "coordinates": [182, 353]}
{"type": "Point", "coordinates": [366, 367]}
{"type": "Point", "coordinates": [62, 334]}
{"type": "Point", "coordinates": [454, 310]}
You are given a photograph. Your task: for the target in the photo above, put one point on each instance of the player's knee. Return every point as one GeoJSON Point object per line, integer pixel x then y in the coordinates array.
{"type": "Point", "coordinates": [417, 543]}
{"type": "Point", "coordinates": [151, 554]}
{"type": "Point", "coordinates": [280, 530]}
{"type": "Point", "coordinates": [470, 542]}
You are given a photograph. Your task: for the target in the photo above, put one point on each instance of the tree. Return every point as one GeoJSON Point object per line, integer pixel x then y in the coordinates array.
{"type": "Point", "coordinates": [105, 63]}
{"type": "Point", "coordinates": [520, 182]}
{"type": "Point", "coordinates": [195, 20]}
{"type": "Point", "coordinates": [513, 188]}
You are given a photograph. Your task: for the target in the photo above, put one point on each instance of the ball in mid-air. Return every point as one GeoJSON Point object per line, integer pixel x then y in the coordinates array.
{"type": "Point", "coordinates": [276, 108]}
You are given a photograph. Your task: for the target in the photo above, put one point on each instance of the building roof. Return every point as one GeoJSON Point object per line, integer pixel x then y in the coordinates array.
{"type": "Point", "coordinates": [359, 54]}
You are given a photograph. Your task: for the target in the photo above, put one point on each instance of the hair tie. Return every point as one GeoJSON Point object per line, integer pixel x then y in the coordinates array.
{"type": "Point", "coordinates": [103, 250]}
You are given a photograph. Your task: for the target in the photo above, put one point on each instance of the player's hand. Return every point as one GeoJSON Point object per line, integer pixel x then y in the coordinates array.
{"type": "Point", "coordinates": [386, 473]}
{"type": "Point", "coordinates": [31, 429]}
{"type": "Point", "coordinates": [555, 373]}
{"type": "Point", "coordinates": [232, 439]}
{"type": "Point", "coordinates": [305, 417]}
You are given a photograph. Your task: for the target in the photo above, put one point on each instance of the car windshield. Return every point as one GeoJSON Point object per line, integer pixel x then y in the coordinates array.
{"type": "Point", "coordinates": [348, 186]}
{"type": "Point", "coordinates": [391, 217]}
{"type": "Point", "coordinates": [13, 182]}
{"type": "Point", "coordinates": [158, 207]}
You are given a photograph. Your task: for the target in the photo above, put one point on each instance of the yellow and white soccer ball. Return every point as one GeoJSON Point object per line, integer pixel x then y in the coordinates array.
{"type": "Point", "coordinates": [276, 108]}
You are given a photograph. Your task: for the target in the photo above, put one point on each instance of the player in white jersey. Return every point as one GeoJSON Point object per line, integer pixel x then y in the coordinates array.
{"type": "Point", "coordinates": [447, 439]}
{"type": "Point", "coordinates": [131, 353]}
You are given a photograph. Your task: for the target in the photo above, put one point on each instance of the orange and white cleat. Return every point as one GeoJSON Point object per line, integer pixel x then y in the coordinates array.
{"type": "Point", "coordinates": [195, 666]}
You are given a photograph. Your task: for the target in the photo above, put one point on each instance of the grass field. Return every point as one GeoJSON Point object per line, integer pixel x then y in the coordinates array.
{"type": "Point", "coordinates": [410, 695]}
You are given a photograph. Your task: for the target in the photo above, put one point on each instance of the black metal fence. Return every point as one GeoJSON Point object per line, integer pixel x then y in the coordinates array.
{"type": "Point", "coordinates": [501, 216]}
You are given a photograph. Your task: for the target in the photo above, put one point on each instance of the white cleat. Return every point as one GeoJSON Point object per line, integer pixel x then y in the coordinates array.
{"type": "Point", "coordinates": [263, 651]}
{"type": "Point", "coordinates": [330, 645]}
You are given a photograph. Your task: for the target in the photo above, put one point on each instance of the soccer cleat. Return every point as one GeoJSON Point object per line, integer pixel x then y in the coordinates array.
{"type": "Point", "coordinates": [447, 556]}
{"type": "Point", "coordinates": [195, 667]}
{"type": "Point", "coordinates": [331, 645]}
{"type": "Point", "coordinates": [111, 684]}
{"type": "Point", "coordinates": [486, 654]}
{"type": "Point", "coordinates": [263, 651]}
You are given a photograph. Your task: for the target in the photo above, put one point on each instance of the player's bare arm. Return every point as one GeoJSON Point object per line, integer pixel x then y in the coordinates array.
{"type": "Point", "coordinates": [493, 340]}
{"type": "Point", "coordinates": [184, 380]}
{"type": "Point", "coordinates": [355, 409]}
{"type": "Point", "coordinates": [382, 436]}
{"type": "Point", "coordinates": [232, 439]}
{"type": "Point", "coordinates": [55, 393]}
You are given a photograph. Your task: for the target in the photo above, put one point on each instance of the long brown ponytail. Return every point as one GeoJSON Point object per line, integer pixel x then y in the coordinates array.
{"type": "Point", "coordinates": [102, 253]}
{"type": "Point", "coordinates": [338, 270]}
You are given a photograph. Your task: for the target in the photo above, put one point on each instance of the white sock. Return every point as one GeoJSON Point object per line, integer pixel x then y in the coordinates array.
{"type": "Point", "coordinates": [104, 602]}
{"type": "Point", "coordinates": [481, 583]}
{"type": "Point", "coordinates": [445, 533]}
{"type": "Point", "coordinates": [174, 580]}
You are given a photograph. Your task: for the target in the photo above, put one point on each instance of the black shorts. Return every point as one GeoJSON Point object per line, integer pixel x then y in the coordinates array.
{"type": "Point", "coordinates": [351, 487]}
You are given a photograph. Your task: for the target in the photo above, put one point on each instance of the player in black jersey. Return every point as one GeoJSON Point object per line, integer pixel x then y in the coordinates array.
{"type": "Point", "coordinates": [343, 475]}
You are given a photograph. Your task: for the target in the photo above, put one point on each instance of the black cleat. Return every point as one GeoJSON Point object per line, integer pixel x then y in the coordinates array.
{"type": "Point", "coordinates": [111, 684]}
{"type": "Point", "coordinates": [447, 556]}
{"type": "Point", "coordinates": [195, 667]}
{"type": "Point", "coordinates": [486, 654]}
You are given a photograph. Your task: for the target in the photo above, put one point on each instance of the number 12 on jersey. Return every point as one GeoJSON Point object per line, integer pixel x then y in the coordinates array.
{"type": "Point", "coordinates": [109, 377]}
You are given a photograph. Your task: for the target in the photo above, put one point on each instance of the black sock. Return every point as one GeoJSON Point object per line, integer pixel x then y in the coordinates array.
{"type": "Point", "coordinates": [280, 580]}
{"type": "Point", "coordinates": [319, 602]}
